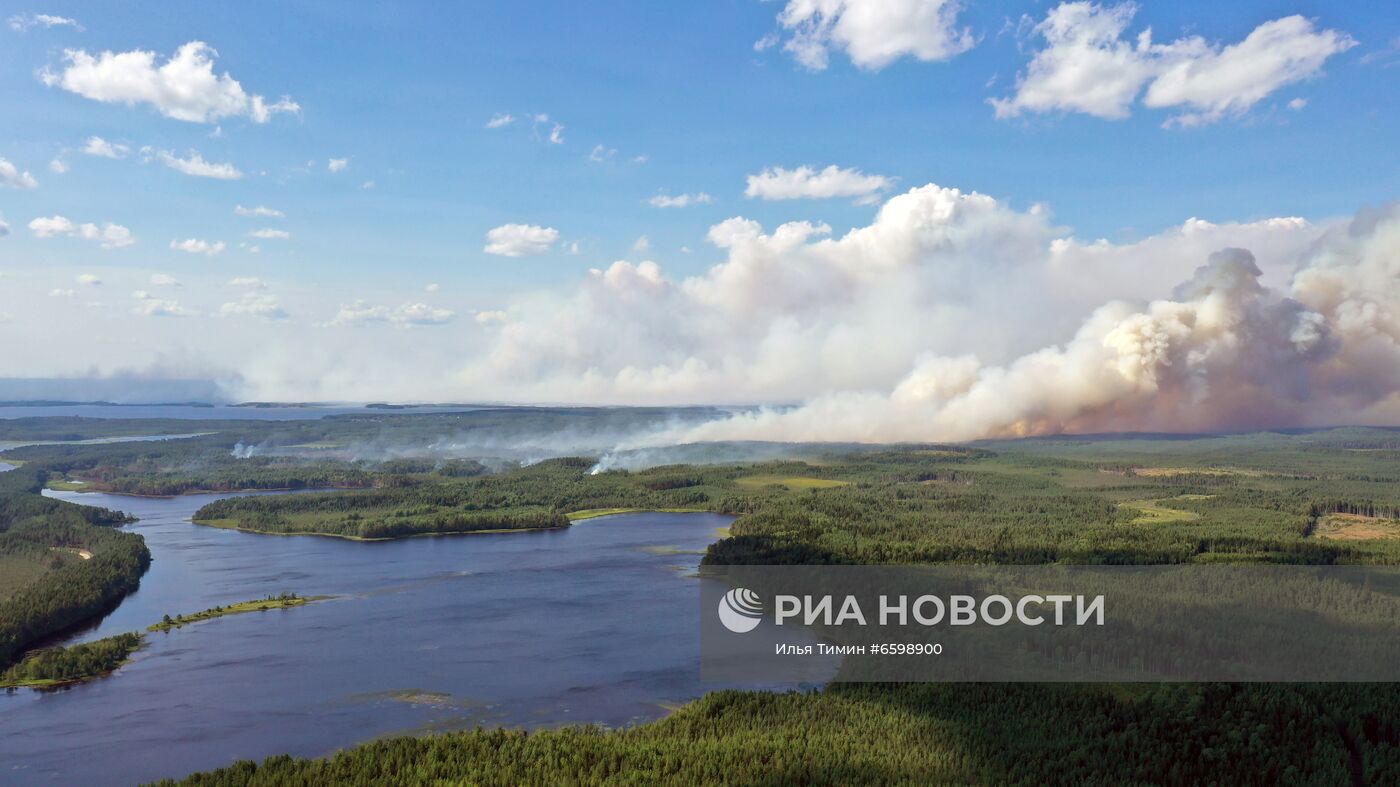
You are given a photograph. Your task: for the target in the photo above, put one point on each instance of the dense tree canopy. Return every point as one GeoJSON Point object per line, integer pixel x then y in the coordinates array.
{"type": "Point", "coordinates": [1318, 498]}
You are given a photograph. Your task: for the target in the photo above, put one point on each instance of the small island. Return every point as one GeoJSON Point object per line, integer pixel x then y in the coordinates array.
{"type": "Point", "coordinates": [280, 601]}
{"type": "Point", "coordinates": [374, 516]}
{"type": "Point", "coordinates": [57, 667]}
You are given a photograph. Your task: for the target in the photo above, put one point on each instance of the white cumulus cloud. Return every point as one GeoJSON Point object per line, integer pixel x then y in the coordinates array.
{"type": "Point", "coordinates": [109, 235]}
{"type": "Point", "coordinates": [22, 23]}
{"type": "Point", "coordinates": [184, 87]}
{"type": "Point", "coordinates": [680, 200]}
{"type": "Point", "coordinates": [806, 182]}
{"type": "Point", "coordinates": [268, 233]}
{"type": "Point", "coordinates": [195, 165]}
{"type": "Point", "coordinates": [1087, 65]}
{"type": "Point", "coordinates": [197, 246]}
{"type": "Point", "coordinates": [261, 211]}
{"type": "Point", "coordinates": [11, 176]}
{"type": "Point", "coordinates": [520, 240]}
{"type": "Point", "coordinates": [148, 305]}
{"type": "Point", "coordinates": [255, 304]}
{"type": "Point", "coordinates": [406, 315]}
{"type": "Point", "coordinates": [97, 146]}
{"type": "Point", "coordinates": [872, 33]}
{"type": "Point", "coordinates": [1212, 82]}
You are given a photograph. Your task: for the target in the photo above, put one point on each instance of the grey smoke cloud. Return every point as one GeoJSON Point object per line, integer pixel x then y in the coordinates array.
{"type": "Point", "coordinates": [792, 314]}
{"type": "Point", "coordinates": [955, 316]}
{"type": "Point", "coordinates": [950, 315]}
{"type": "Point", "coordinates": [1223, 352]}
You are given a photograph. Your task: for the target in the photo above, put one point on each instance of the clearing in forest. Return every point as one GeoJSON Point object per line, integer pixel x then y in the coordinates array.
{"type": "Point", "coordinates": [791, 483]}
{"type": "Point", "coordinates": [1355, 527]}
{"type": "Point", "coordinates": [1153, 512]}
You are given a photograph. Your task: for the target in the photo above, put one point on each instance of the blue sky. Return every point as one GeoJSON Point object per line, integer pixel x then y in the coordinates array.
{"type": "Point", "coordinates": [674, 99]}
{"type": "Point", "coordinates": [404, 92]}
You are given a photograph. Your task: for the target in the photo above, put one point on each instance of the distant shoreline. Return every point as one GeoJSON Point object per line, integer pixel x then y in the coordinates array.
{"type": "Point", "coordinates": [226, 524]}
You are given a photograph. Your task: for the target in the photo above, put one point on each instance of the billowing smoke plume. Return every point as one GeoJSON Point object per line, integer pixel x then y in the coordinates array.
{"type": "Point", "coordinates": [1224, 352]}
{"type": "Point", "coordinates": [954, 317]}
{"type": "Point", "coordinates": [793, 315]}
{"type": "Point", "coordinates": [950, 315]}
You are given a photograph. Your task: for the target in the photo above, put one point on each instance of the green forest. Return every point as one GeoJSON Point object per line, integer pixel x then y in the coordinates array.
{"type": "Point", "coordinates": [67, 563]}
{"type": "Point", "coordinates": [47, 667]}
{"type": "Point", "coordinates": [1319, 497]}
{"type": "Point", "coordinates": [1219, 734]}
{"type": "Point", "coordinates": [1257, 498]}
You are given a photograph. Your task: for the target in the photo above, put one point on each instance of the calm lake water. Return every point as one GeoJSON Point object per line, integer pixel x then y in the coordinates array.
{"type": "Point", "coordinates": [594, 623]}
{"type": "Point", "coordinates": [218, 412]}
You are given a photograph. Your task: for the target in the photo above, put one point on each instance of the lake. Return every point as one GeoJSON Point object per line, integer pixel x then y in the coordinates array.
{"type": "Point", "coordinates": [593, 623]}
{"type": "Point", "coordinates": [215, 412]}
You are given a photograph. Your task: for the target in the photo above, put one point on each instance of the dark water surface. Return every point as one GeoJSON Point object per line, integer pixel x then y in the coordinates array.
{"type": "Point", "coordinates": [594, 623]}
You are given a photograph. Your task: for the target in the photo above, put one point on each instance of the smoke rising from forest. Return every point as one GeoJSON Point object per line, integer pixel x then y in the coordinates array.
{"type": "Point", "coordinates": [941, 321]}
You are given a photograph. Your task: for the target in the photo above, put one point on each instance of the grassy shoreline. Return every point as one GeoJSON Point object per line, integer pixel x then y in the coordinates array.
{"type": "Point", "coordinates": [231, 524]}
{"type": "Point", "coordinates": [284, 601]}
{"type": "Point", "coordinates": [573, 516]}
{"type": "Point", "coordinates": [84, 487]}
{"type": "Point", "coordinates": [595, 513]}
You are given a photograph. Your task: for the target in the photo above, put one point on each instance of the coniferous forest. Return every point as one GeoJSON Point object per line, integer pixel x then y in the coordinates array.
{"type": "Point", "coordinates": [1326, 497]}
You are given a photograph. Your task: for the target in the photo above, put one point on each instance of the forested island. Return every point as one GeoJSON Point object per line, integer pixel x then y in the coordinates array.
{"type": "Point", "coordinates": [55, 667]}
{"type": "Point", "coordinates": [1322, 497]}
{"type": "Point", "coordinates": [280, 601]}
